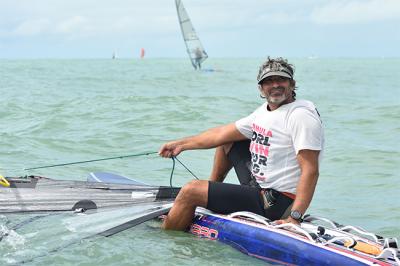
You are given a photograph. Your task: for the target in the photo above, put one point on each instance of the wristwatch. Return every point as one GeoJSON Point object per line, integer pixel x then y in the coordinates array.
{"type": "Point", "coordinates": [296, 215]}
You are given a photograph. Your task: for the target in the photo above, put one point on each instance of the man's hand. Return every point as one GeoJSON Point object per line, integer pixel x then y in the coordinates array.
{"type": "Point", "coordinates": [287, 220]}
{"type": "Point", "coordinates": [170, 149]}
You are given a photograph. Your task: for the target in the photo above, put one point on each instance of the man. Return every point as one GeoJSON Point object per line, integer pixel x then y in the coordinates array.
{"type": "Point", "coordinates": [275, 152]}
{"type": "Point", "coordinates": [198, 56]}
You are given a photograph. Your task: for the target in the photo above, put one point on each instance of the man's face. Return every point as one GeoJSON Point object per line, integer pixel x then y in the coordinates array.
{"type": "Point", "coordinates": [276, 89]}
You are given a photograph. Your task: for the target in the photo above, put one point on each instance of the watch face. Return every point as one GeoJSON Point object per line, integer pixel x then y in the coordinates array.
{"type": "Point", "coordinates": [295, 215]}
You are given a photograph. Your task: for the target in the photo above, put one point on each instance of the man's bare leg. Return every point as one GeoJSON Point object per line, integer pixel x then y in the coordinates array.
{"type": "Point", "coordinates": [221, 165]}
{"type": "Point", "coordinates": [195, 193]}
{"type": "Point", "coordinates": [192, 195]}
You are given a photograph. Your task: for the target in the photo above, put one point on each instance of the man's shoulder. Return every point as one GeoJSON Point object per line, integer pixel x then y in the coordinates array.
{"type": "Point", "coordinates": [302, 109]}
{"type": "Point", "coordinates": [301, 103]}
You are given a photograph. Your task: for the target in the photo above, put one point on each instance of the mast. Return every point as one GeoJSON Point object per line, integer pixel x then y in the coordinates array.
{"type": "Point", "coordinates": [194, 48]}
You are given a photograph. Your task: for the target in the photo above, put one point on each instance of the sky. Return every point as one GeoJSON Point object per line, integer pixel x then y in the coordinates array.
{"type": "Point", "coordinates": [227, 28]}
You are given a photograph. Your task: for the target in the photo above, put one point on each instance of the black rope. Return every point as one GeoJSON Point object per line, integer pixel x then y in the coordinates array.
{"type": "Point", "coordinates": [120, 157]}
{"type": "Point", "coordinates": [187, 169]}
{"type": "Point", "coordinates": [95, 160]}
{"type": "Point", "coordinates": [173, 168]}
{"type": "Point", "coordinates": [172, 171]}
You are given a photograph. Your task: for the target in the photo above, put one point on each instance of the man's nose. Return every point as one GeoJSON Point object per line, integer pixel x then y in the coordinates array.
{"type": "Point", "coordinates": [275, 84]}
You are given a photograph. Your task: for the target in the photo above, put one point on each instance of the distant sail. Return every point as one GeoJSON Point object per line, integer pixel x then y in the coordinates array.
{"type": "Point", "coordinates": [142, 53]}
{"type": "Point", "coordinates": [114, 55]}
{"type": "Point", "coordinates": [194, 48]}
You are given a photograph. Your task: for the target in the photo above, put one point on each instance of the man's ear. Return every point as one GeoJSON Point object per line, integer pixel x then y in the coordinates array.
{"type": "Point", "coordinates": [293, 83]}
{"type": "Point", "coordinates": [261, 92]}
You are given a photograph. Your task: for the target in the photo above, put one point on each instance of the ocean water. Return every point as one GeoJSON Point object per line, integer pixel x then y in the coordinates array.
{"type": "Point", "coordinates": [60, 111]}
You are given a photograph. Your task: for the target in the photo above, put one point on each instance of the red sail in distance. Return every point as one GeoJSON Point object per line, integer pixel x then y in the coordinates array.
{"type": "Point", "coordinates": [142, 53]}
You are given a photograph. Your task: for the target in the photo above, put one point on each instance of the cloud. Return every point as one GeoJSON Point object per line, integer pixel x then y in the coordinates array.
{"type": "Point", "coordinates": [278, 18]}
{"type": "Point", "coordinates": [81, 19]}
{"type": "Point", "coordinates": [344, 12]}
{"type": "Point", "coordinates": [88, 19]}
{"type": "Point", "coordinates": [141, 24]}
{"type": "Point", "coordinates": [79, 24]}
{"type": "Point", "coordinates": [74, 24]}
{"type": "Point", "coordinates": [32, 27]}
{"type": "Point", "coordinates": [89, 26]}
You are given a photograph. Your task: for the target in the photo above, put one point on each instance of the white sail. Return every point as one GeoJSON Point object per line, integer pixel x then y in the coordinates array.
{"type": "Point", "coordinates": [194, 48]}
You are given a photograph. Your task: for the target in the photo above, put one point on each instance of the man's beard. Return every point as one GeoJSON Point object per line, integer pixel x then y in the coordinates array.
{"type": "Point", "coordinates": [278, 99]}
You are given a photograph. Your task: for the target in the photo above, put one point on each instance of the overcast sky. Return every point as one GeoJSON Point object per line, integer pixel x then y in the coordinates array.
{"type": "Point", "coordinates": [227, 28]}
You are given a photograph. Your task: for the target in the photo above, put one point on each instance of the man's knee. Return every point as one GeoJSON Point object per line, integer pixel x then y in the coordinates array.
{"type": "Point", "coordinates": [227, 147]}
{"type": "Point", "coordinates": [194, 187]}
{"type": "Point", "coordinates": [195, 192]}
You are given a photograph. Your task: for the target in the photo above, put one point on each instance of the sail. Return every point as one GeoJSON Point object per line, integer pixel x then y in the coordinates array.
{"type": "Point", "coordinates": [142, 52]}
{"type": "Point", "coordinates": [194, 48]}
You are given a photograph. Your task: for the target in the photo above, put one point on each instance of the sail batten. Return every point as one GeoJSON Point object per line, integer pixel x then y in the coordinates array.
{"type": "Point", "coordinates": [194, 48]}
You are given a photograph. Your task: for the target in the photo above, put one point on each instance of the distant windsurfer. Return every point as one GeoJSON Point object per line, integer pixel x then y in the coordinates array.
{"type": "Point", "coordinates": [198, 56]}
{"type": "Point", "coordinates": [142, 53]}
{"type": "Point", "coordinates": [194, 48]}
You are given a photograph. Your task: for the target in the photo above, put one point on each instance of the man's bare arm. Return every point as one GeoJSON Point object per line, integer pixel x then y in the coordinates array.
{"type": "Point", "coordinates": [308, 161]}
{"type": "Point", "coordinates": [208, 139]}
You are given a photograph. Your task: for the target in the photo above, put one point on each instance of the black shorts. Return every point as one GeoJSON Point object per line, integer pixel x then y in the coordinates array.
{"type": "Point", "coordinates": [227, 198]}
{"type": "Point", "coordinates": [240, 158]}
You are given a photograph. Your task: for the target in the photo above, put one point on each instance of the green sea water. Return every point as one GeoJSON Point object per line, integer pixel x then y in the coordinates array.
{"type": "Point", "coordinates": [59, 111]}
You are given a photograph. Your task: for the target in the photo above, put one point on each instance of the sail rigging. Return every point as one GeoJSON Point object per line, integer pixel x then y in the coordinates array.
{"type": "Point", "coordinates": [194, 48]}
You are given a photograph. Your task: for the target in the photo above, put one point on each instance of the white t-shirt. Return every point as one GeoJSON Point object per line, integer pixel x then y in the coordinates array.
{"type": "Point", "coordinates": [277, 137]}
